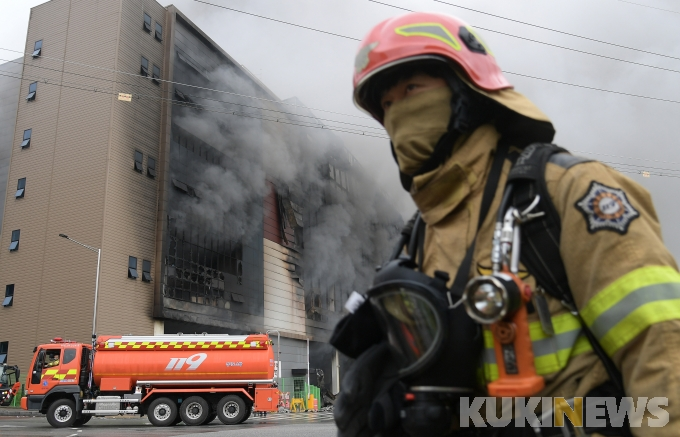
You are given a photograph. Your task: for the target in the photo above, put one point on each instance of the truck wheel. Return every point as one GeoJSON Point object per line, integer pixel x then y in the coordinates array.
{"type": "Point", "coordinates": [62, 413]}
{"type": "Point", "coordinates": [82, 421]}
{"type": "Point", "coordinates": [194, 410]}
{"type": "Point", "coordinates": [231, 410]}
{"type": "Point", "coordinates": [249, 409]}
{"type": "Point", "coordinates": [162, 412]}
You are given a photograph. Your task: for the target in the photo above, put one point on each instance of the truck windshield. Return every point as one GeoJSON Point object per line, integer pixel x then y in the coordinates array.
{"type": "Point", "coordinates": [3, 378]}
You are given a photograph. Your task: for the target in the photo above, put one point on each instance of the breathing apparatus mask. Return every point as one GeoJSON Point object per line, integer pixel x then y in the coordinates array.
{"type": "Point", "coordinates": [435, 346]}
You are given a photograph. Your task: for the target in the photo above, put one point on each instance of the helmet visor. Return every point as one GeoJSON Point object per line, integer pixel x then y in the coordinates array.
{"type": "Point", "coordinates": [412, 323]}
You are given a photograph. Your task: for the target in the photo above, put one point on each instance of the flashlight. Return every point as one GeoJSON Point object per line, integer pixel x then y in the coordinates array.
{"type": "Point", "coordinates": [488, 299]}
{"type": "Point", "coordinates": [499, 301]}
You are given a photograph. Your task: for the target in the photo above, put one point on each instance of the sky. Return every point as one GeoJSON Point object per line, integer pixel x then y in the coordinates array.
{"type": "Point", "coordinates": [631, 132]}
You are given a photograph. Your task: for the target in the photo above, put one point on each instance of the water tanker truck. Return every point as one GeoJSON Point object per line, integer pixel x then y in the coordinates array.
{"type": "Point", "coordinates": [169, 378]}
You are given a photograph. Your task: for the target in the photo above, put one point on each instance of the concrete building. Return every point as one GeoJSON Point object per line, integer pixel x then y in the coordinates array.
{"type": "Point", "coordinates": [150, 142]}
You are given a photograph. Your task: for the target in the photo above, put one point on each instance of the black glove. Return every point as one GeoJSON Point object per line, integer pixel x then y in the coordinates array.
{"type": "Point", "coordinates": [369, 396]}
{"type": "Point", "coordinates": [358, 331]}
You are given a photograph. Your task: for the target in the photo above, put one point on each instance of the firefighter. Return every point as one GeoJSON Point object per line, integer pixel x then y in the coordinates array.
{"type": "Point", "coordinates": [52, 360]}
{"type": "Point", "coordinates": [434, 85]}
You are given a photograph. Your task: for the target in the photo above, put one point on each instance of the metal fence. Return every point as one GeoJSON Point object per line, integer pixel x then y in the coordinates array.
{"type": "Point", "coordinates": [299, 389]}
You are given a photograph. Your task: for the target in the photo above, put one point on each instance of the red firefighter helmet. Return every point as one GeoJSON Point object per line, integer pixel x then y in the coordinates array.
{"type": "Point", "coordinates": [420, 36]}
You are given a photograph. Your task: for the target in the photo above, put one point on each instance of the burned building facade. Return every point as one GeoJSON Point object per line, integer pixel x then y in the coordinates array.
{"type": "Point", "coordinates": [218, 207]}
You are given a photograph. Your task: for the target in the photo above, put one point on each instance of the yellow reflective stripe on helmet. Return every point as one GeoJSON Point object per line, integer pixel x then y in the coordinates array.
{"type": "Point", "coordinates": [429, 30]}
{"type": "Point", "coordinates": [551, 353]}
{"type": "Point", "coordinates": [631, 304]}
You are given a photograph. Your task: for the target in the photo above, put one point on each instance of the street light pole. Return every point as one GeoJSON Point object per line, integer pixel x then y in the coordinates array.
{"type": "Point", "coordinates": [96, 286]}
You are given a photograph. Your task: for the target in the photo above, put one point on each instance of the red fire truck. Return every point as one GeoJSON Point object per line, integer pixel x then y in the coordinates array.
{"type": "Point", "coordinates": [169, 378]}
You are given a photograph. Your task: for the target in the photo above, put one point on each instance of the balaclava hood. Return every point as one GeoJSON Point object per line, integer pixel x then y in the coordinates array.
{"type": "Point", "coordinates": [516, 118]}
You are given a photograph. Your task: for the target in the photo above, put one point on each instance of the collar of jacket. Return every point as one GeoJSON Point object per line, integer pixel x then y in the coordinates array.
{"type": "Point", "coordinates": [440, 191]}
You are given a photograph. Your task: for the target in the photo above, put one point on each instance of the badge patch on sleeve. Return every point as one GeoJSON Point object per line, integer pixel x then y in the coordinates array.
{"type": "Point", "coordinates": [606, 208]}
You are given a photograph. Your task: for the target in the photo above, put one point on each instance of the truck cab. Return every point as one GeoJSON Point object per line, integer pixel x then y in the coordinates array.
{"type": "Point", "coordinates": [9, 383]}
{"type": "Point", "coordinates": [59, 372]}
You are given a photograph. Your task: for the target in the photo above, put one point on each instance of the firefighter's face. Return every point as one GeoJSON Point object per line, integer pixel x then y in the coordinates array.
{"type": "Point", "coordinates": [409, 87]}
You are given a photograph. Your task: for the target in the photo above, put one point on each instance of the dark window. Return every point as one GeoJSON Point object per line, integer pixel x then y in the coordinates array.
{"type": "Point", "coordinates": [138, 161]}
{"type": "Point", "coordinates": [159, 32]}
{"type": "Point", "coordinates": [238, 298]}
{"type": "Point", "coordinates": [9, 295]}
{"type": "Point", "coordinates": [202, 273]}
{"type": "Point", "coordinates": [156, 74]}
{"type": "Point", "coordinates": [37, 49]}
{"type": "Point", "coordinates": [146, 271]}
{"type": "Point", "coordinates": [144, 69]}
{"type": "Point", "coordinates": [21, 188]}
{"type": "Point", "coordinates": [32, 88]}
{"type": "Point", "coordinates": [132, 268]}
{"type": "Point", "coordinates": [27, 138]}
{"type": "Point", "coordinates": [147, 23]}
{"type": "Point", "coordinates": [181, 96]}
{"type": "Point", "coordinates": [4, 345]}
{"type": "Point", "coordinates": [69, 355]}
{"type": "Point", "coordinates": [151, 167]}
{"type": "Point", "coordinates": [14, 245]}
{"type": "Point", "coordinates": [180, 185]}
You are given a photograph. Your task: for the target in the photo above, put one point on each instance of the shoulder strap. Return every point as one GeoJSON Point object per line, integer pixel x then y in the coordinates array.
{"type": "Point", "coordinates": [541, 236]}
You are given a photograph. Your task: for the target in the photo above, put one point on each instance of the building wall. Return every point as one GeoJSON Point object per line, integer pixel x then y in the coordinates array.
{"type": "Point", "coordinates": [131, 196]}
{"type": "Point", "coordinates": [80, 177]}
{"type": "Point", "coordinates": [10, 83]}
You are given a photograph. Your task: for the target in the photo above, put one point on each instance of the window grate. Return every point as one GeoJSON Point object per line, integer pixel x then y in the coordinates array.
{"type": "Point", "coordinates": [27, 138]}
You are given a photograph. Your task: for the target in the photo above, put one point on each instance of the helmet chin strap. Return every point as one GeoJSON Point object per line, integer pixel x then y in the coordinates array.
{"type": "Point", "coordinates": [468, 112]}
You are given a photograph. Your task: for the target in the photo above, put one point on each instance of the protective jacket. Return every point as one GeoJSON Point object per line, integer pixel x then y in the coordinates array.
{"type": "Point", "coordinates": [624, 281]}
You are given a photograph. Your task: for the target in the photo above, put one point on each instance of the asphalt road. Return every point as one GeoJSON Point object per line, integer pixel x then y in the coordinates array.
{"type": "Point", "coordinates": [274, 425]}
